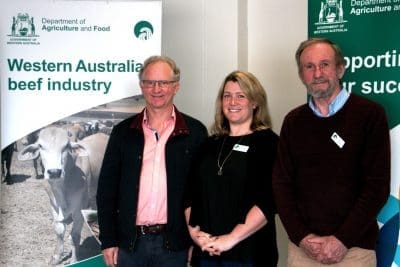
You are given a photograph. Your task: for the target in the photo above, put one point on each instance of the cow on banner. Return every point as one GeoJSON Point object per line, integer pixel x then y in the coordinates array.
{"type": "Point", "coordinates": [71, 170]}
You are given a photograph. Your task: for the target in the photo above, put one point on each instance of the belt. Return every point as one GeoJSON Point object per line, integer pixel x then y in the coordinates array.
{"type": "Point", "coordinates": [150, 229]}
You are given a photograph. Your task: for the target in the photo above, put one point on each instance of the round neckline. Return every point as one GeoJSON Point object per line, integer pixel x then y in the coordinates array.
{"type": "Point", "coordinates": [239, 136]}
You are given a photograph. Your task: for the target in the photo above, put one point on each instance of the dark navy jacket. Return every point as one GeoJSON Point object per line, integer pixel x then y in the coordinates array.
{"type": "Point", "coordinates": [118, 188]}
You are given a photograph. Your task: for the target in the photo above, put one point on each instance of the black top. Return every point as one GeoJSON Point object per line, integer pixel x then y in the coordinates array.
{"type": "Point", "coordinates": [220, 202]}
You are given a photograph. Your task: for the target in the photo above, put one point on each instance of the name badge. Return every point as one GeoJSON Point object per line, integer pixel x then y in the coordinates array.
{"type": "Point", "coordinates": [338, 140]}
{"type": "Point", "coordinates": [240, 148]}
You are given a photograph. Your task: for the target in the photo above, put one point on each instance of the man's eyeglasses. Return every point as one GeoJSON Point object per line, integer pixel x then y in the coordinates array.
{"type": "Point", "coordinates": [323, 66]}
{"type": "Point", "coordinates": [160, 83]}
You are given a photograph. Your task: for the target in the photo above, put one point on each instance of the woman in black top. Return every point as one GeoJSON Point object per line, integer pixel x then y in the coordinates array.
{"type": "Point", "coordinates": [232, 214]}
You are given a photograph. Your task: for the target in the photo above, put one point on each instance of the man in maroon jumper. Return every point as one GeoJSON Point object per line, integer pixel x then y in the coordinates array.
{"type": "Point", "coordinates": [332, 174]}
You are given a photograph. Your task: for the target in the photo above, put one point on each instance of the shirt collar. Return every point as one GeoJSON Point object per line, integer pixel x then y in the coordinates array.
{"type": "Point", "coordinates": [337, 103]}
{"type": "Point", "coordinates": [145, 118]}
{"type": "Point", "coordinates": [180, 125]}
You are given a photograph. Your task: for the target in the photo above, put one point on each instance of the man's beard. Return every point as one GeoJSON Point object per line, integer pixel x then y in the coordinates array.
{"type": "Point", "coordinates": [320, 93]}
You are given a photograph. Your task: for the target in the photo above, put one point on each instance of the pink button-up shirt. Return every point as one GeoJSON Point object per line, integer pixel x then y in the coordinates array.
{"type": "Point", "coordinates": [152, 205]}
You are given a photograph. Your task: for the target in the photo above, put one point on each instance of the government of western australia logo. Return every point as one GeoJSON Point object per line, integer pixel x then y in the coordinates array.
{"type": "Point", "coordinates": [330, 17]}
{"type": "Point", "coordinates": [23, 30]}
{"type": "Point", "coordinates": [23, 26]}
{"type": "Point", "coordinates": [331, 12]}
{"type": "Point", "coordinates": [143, 30]}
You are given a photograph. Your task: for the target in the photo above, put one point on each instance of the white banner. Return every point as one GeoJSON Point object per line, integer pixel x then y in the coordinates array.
{"type": "Point", "coordinates": [68, 73]}
{"type": "Point", "coordinates": [62, 57]}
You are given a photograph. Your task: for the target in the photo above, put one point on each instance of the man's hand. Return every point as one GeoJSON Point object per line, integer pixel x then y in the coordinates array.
{"type": "Point", "coordinates": [110, 256]}
{"type": "Point", "coordinates": [310, 246]}
{"type": "Point", "coordinates": [332, 249]}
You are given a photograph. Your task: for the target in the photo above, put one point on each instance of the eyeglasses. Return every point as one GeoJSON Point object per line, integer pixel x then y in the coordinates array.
{"type": "Point", "coordinates": [323, 66]}
{"type": "Point", "coordinates": [160, 83]}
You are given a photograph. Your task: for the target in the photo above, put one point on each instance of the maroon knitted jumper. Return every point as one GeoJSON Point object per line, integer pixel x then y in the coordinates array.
{"type": "Point", "coordinates": [325, 189]}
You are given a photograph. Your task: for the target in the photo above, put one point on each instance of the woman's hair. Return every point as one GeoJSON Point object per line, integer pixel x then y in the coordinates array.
{"type": "Point", "coordinates": [254, 92]}
{"type": "Point", "coordinates": [153, 59]}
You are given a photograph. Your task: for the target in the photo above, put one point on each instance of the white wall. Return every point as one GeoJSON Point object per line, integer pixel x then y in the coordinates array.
{"type": "Point", "coordinates": [210, 38]}
{"type": "Point", "coordinates": [275, 30]}
{"type": "Point", "coordinates": [202, 37]}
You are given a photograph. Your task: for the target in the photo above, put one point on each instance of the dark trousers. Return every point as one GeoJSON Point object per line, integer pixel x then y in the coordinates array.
{"type": "Point", "coordinates": [223, 263]}
{"type": "Point", "coordinates": [150, 252]}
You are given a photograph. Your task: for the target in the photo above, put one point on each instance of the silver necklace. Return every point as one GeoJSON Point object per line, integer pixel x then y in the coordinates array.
{"type": "Point", "coordinates": [221, 165]}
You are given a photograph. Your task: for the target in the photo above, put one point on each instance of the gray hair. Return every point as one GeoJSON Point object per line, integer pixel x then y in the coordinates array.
{"type": "Point", "coordinates": [153, 59]}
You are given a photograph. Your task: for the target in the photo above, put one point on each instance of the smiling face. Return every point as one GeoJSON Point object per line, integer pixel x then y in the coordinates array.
{"type": "Point", "coordinates": [319, 71]}
{"type": "Point", "coordinates": [236, 107]}
{"type": "Point", "coordinates": [159, 95]}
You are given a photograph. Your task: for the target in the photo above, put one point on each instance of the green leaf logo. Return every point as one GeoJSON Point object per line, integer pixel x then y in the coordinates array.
{"type": "Point", "coordinates": [143, 30]}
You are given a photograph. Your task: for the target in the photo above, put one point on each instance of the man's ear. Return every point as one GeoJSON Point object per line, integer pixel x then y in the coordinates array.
{"type": "Point", "coordinates": [340, 71]}
{"type": "Point", "coordinates": [177, 86]}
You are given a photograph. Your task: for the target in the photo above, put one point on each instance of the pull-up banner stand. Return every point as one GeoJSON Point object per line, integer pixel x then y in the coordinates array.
{"type": "Point", "coordinates": [68, 69]}
{"type": "Point", "coordinates": [368, 33]}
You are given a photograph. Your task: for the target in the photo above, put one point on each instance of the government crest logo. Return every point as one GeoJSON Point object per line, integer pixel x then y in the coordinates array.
{"type": "Point", "coordinates": [330, 17]}
{"type": "Point", "coordinates": [331, 12]}
{"type": "Point", "coordinates": [23, 26]}
{"type": "Point", "coordinates": [23, 30]}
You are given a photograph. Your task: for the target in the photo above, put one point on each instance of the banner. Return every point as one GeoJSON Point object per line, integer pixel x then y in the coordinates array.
{"type": "Point", "coordinates": [68, 74]}
{"type": "Point", "coordinates": [68, 56]}
{"type": "Point", "coordinates": [368, 34]}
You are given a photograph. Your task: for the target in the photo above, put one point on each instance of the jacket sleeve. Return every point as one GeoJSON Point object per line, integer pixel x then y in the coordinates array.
{"type": "Point", "coordinates": [193, 190]}
{"type": "Point", "coordinates": [107, 192]}
{"type": "Point", "coordinates": [200, 139]}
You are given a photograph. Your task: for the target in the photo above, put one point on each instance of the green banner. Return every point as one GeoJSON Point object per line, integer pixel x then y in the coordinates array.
{"type": "Point", "coordinates": [369, 35]}
{"type": "Point", "coordinates": [96, 261]}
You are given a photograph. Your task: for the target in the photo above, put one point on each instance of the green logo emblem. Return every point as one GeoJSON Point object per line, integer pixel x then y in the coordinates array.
{"type": "Point", "coordinates": [23, 26]}
{"type": "Point", "coordinates": [331, 12]}
{"type": "Point", "coordinates": [329, 17]}
{"type": "Point", "coordinates": [143, 30]}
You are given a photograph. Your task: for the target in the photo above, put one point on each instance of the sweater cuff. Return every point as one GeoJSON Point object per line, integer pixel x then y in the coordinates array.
{"type": "Point", "coordinates": [347, 240]}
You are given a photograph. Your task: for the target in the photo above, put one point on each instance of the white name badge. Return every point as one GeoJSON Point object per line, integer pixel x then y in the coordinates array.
{"type": "Point", "coordinates": [338, 140]}
{"type": "Point", "coordinates": [240, 148]}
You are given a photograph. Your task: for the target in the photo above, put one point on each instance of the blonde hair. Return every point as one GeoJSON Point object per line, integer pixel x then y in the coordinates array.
{"type": "Point", "coordinates": [255, 93]}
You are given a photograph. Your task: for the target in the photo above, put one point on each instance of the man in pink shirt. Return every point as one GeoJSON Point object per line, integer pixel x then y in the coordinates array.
{"type": "Point", "coordinates": [141, 187]}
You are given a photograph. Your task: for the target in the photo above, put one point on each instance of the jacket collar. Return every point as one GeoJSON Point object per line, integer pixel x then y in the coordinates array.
{"type": "Point", "coordinates": [180, 124]}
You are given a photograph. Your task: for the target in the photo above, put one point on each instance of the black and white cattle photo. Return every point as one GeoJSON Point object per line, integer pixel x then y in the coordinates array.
{"type": "Point", "coordinates": [48, 191]}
